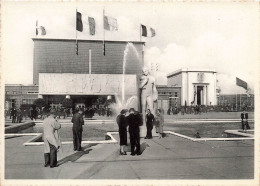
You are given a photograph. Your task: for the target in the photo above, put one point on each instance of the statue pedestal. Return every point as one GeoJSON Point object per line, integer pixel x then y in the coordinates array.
{"type": "Point", "coordinates": [143, 131]}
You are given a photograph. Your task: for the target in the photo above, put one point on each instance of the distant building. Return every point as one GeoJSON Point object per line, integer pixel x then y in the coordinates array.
{"type": "Point", "coordinates": [18, 94]}
{"type": "Point", "coordinates": [168, 96]}
{"type": "Point", "coordinates": [198, 86]}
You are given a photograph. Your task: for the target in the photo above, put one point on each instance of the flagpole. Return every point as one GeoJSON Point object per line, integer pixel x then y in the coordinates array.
{"type": "Point", "coordinates": [140, 32]}
{"type": "Point", "coordinates": [240, 102]}
{"type": "Point", "coordinates": [36, 31]}
{"type": "Point", "coordinates": [76, 33]}
{"type": "Point", "coordinates": [236, 101]}
{"type": "Point", "coordinates": [103, 31]}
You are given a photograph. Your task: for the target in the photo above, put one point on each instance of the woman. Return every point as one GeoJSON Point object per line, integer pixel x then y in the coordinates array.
{"type": "Point", "coordinates": [122, 125]}
{"type": "Point", "coordinates": [159, 119]}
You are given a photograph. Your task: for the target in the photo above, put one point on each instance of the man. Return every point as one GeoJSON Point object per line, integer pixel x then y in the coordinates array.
{"type": "Point", "coordinates": [77, 129]}
{"type": "Point", "coordinates": [149, 124]}
{"type": "Point", "coordinates": [14, 115]}
{"type": "Point", "coordinates": [134, 120]}
{"type": "Point", "coordinates": [51, 140]}
{"type": "Point", "coordinates": [244, 121]}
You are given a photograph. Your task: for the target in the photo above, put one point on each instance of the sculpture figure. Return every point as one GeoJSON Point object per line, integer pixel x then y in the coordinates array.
{"type": "Point", "coordinates": [149, 93]}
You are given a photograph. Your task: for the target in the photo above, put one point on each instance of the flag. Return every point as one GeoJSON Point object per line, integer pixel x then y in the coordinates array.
{"type": "Point", "coordinates": [110, 23]}
{"type": "Point", "coordinates": [145, 32]}
{"type": "Point", "coordinates": [92, 25]}
{"type": "Point", "coordinates": [43, 31]}
{"type": "Point", "coordinates": [152, 32]}
{"type": "Point", "coordinates": [37, 27]}
{"type": "Point", "coordinates": [241, 83]}
{"type": "Point", "coordinates": [79, 25]}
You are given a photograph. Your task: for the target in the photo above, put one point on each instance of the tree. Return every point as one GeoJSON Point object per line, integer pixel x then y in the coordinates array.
{"type": "Point", "coordinates": [67, 103]}
{"type": "Point", "coordinates": [39, 103]}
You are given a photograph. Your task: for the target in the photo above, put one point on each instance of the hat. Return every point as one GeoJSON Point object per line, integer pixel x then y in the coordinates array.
{"type": "Point", "coordinates": [131, 110]}
{"type": "Point", "coordinates": [123, 111]}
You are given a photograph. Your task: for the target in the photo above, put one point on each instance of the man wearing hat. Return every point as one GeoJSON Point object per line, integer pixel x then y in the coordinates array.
{"type": "Point", "coordinates": [77, 129]}
{"type": "Point", "coordinates": [51, 140]}
{"type": "Point", "coordinates": [134, 121]}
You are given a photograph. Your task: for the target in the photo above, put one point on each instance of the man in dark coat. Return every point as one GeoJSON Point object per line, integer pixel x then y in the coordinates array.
{"type": "Point", "coordinates": [77, 129]}
{"type": "Point", "coordinates": [14, 115]}
{"type": "Point", "coordinates": [149, 124]}
{"type": "Point", "coordinates": [134, 120]}
{"type": "Point", "coordinates": [244, 121]}
{"type": "Point", "coordinates": [122, 125]}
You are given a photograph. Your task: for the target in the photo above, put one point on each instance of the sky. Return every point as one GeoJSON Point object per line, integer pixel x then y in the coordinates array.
{"type": "Point", "coordinates": [219, 36]}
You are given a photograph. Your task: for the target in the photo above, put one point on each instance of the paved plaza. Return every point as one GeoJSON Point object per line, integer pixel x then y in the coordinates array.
{"type": "Point", "coordinates": [170, 158]}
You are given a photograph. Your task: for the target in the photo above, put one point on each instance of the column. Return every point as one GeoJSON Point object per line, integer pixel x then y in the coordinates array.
{"type": "Point", "coordinates": [204, 95]}
{"type": "Point", "coordinates": [196, 90]}
{"type": "Point", "coordinates": [207, 95]}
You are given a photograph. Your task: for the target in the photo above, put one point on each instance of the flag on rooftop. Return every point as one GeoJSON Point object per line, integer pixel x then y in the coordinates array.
{"type": "Point", "coordinates": [43, 31]}
{"type": "Point", "coordinates": [241, 83]}
{"type": "Point", "coordinates": [41, 28]}
{"type": "Point", "coordinates": [110, 23]}
{"type": "Point", "coordinates": [79, 25]}
{"type": "Point", "coordinates": [147, 31]}
{"type": "Point", "coordinates": [92, 25]}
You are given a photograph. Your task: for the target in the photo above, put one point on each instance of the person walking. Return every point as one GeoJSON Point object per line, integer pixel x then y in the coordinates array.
{"type": "Point", "coordinates": [51, 140]}
{"type": "Point", "coordinates": [77, 129]}
{"type": "Point", "coordinates": [159, 122]}
{"type": "Point", "coordinates": [122, 125]}
{"type": "Point", "coordinates": [134, 120]}
{"type": "Point", "coordinates": [149, 119]}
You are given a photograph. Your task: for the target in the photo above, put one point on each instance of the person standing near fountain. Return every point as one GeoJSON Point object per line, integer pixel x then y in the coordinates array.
{"type": "Point", "coordinates": [77, 129]}
{"type": "Point", "coordinates": [133, 120]}
{"type": "Point", "coordinates": [51, 140]}
{"type": "Point", "coordinates": [149, 93]}
{"type": "Point", "coordinates": [149, 124]}
{"type": "Point", "coordinates": [122, 124]}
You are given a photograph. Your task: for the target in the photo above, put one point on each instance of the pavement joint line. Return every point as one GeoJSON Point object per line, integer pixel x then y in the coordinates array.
{"type": "Point", "coordinates": [208, 139]}
{"type": "Point", "coordinates": [31, 142]}
{"type": "Point", "coordinates": [162, 159]}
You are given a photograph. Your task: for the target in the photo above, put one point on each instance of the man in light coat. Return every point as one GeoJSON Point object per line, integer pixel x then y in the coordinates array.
{"type": "Point", "coordinates": [51, 140]}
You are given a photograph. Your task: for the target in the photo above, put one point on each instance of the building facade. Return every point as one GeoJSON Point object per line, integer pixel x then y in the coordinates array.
{"type": "Point", "coordinates": [168, 97]}
{"type": "Point", "coordinates": [17, 95]}
{"type": "Point", "coordinates": [198, 86]}
{"type": "Point", "coordinates": [60, 72]}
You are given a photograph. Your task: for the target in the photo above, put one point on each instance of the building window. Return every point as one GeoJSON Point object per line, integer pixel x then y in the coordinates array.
{"type": "Point", "coordinates": [175, 94]}
{"type": "Point", "coordinates": [31, 92]}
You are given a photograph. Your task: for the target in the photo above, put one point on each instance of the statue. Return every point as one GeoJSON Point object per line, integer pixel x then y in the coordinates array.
{"type": "Point", "coordinates": [149, 93]}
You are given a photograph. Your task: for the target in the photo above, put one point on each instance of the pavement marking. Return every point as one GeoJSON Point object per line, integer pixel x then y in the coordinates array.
{"type": "Point", "coordinates": [31, 142]}
{"type": "Point", "coordinates": [208, 139]}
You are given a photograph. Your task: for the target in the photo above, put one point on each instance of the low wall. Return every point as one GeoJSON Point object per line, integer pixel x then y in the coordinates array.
{"type": "Point", "coordinates": [18, 127]}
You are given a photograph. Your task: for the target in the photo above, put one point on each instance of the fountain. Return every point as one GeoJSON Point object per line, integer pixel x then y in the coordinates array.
{"type": "Point", "coordinates": [133, 101]}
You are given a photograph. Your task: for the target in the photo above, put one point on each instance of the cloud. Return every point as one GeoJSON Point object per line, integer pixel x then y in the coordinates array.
{"type": "Point", "coordinates": [230, 57]}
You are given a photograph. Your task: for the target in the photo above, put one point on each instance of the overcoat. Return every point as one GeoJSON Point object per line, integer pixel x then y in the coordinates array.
{"type": "Point", "coordinates": [50, 133]}
{"type": "Point", "coordinates": [159, 121]}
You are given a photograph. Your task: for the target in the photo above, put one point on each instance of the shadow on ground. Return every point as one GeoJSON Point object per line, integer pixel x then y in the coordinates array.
{"type": "Point", "coordinates": [74, 157]}
{"type": "Point", "coordinates": [142, 147]}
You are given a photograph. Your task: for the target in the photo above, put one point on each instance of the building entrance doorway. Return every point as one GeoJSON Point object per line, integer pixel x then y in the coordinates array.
{"type": "Point", "coordinates": [200, 95]}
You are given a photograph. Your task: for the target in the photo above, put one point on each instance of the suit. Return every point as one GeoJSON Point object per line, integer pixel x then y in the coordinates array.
{"type": "Point", "coordinates": [149, 125]}
{"type": "Point", "coordinates": [244, 122]}
{"type": "Point", "coordinates": [134, 121]}
{"type": "Point", "coordinates": [77, 129]}
{"type": "Point", "coordinates": [51, 140]}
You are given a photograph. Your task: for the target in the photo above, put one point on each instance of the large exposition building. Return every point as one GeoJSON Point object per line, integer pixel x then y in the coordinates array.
{"type": "Point", "coordinates": [58, 72]}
